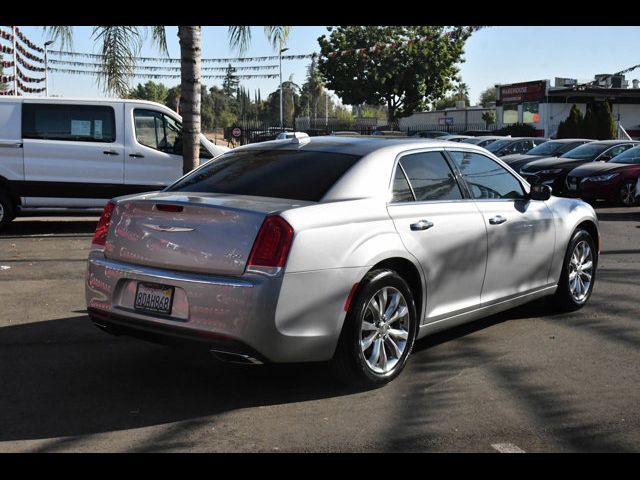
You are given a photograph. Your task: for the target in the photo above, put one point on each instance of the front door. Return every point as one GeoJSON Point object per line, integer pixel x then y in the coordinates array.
{"type": "Point", "coordinates": [520, 232]}
{"type": "Point", "coordinates": [442, 229]}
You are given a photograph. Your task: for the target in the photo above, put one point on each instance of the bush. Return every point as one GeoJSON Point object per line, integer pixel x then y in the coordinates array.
{"type": "Point", "coordinates": [518, 130]}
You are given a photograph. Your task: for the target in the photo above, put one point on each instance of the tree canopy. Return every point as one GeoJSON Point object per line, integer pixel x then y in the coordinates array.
{"type": "Point", "coordinates": [404, 79]}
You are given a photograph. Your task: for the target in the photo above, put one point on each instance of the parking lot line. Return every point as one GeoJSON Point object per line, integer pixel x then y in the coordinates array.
{"type": "Point", "coordinates": [507, 448]}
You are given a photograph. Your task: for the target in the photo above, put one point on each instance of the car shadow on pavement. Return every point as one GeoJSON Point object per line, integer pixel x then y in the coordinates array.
{"type": "Point", "coordinates": [35, 228]}
{"type": "Point", "coordinates": [65, 378]}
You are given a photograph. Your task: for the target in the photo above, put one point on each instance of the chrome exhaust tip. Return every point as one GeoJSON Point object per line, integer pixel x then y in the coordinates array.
{"type": "Point", "coordinates": [232, 357]}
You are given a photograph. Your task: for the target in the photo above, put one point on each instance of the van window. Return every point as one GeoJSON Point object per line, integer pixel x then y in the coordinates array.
{"type": "Point", "coordinates": [81, 123]}
{"type": "Point", "coordinates": [158, 131]}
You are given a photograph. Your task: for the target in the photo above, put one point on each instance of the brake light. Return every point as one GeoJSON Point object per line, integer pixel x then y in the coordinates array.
{"type": "Point", "coordinates": [100, 237]}
{"type": "Point", "coordinates": [272, 244]}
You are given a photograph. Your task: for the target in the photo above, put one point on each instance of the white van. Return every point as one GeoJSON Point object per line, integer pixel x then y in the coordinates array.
{"type": "Point", "coordinates": [78, 153]}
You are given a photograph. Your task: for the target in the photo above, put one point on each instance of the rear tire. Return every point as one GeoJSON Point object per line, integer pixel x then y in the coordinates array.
{"type": "Point", "coordinates": [373, 348]}
{"type": "Point", "coordinates": [578, 273]}
{"type": "Point", "coordinates": [7, 209]}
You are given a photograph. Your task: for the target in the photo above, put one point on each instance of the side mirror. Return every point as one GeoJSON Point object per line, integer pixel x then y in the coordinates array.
{"type": "Point", "coordinates": [539, 192]}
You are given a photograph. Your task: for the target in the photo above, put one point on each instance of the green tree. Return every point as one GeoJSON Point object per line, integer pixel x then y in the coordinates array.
{"type": "Point", "coordinates": [489, 117]}
{"type": "Point", "coordinates": [488, 97]}
{"type": "Point", "coordinates": [154, 92]}
{"type": "Point", "coordinates": [230, 82]}
{"type": "Point", "coordinates": [173, 98]}
{"type": "Point", "coordinates": [290, 104]}
{"type": "Point", "coordinates": [573, 125]}
{"type": "Point", "coordinates": [121, 44]}
{"type": "Point", "coordinates": [404, 79]}
{"type": "Point", "coordinates": [588, 123]}
{"type": "Point", "coordinates": [605, 125]}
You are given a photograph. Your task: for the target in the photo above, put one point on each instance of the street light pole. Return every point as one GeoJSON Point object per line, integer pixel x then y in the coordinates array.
{"type": "Point", "coordinates": [281, 121]}
{"type": "Point", "coordinates": [46, 69]}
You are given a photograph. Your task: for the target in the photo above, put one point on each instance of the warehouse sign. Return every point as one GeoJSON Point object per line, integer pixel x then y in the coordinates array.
{"type": "Point", "coordinates": [523, 92]}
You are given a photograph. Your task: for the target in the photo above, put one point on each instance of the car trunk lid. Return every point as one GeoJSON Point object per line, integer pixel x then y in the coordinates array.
{"type": "Point", "coordinates": [205, 233]}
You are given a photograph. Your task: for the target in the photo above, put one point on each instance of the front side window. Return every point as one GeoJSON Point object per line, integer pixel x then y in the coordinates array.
{"type": "Point", "coordinates": [486, 178]}
{"type": "Point", "coordinates": [80, 123]}
{"type": "Point", "coordinates": [588, 151]}
{"type": "Point", "coordinates": [430, 177]}
{"type": "Point", "coordinates": [158, 131]}
{"type": "Point", "coordinates": [609, 154]}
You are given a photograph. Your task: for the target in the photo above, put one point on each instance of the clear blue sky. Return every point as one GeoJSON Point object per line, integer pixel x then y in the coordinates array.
{"type": "Point", "coordinates": [493, 55]}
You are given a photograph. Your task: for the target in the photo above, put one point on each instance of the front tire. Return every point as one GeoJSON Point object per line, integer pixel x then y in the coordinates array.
{"type": "Point", "coordinates": [7, 209]}
{"type": "Point", "coordinates": [578, 273]}
{"type": "Point", "coordinates": [378, 333]}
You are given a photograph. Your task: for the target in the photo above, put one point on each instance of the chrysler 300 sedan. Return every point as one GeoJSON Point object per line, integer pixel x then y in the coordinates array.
{"type": "Point", "coordinates": [335, 249]}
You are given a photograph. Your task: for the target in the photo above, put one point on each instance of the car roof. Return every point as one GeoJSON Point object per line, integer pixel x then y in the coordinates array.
{"type": "Point", "coordinates": [361, 146]}
{"type": "Point", "coordinates": [614, 142]}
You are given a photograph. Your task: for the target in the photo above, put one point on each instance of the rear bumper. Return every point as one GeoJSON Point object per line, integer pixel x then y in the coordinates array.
{"type": "Point", "coordinates": [291, 318]}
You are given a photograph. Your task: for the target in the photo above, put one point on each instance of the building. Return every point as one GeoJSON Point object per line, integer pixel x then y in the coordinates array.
{"type": "Point", "coordinates": [543, 106]}
{"type": "Point", "coordinates": [457, 119]}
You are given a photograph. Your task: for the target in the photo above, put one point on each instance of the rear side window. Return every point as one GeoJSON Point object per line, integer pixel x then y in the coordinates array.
{"type": "Point", "coordinates": [430, 177]}
{"type": "Point", "coordinates": [286, 174]}
{"type": "Point", "coordinates": [81, 123]}
{"type": "Point", "coordinates": [401, 189]}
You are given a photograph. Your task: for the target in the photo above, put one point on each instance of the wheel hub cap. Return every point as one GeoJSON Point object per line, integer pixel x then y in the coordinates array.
{"type": "Point", "coordinates": [385, 330]}
{"type": "Point", "coordinates": [580, 271]}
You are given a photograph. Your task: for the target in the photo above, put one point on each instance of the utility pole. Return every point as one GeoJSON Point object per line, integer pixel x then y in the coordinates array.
{"type": "Point", "coordinates": [281, 121]}
{"type": "Point", "coordinates": [15, 62]}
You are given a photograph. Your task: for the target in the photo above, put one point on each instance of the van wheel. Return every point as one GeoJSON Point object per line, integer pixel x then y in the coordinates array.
{"type": "Point", "coordinates": [379, 331]}
{"type": "Point", "coordinates": [578, 273]}
{"type": "Point", "coordinates": [7, 210]}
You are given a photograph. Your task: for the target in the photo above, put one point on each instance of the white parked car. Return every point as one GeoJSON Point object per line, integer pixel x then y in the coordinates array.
{"type": "Point", "coordinates": [79, 153]}
{"type": "Point", "coordinates": [290, 135]}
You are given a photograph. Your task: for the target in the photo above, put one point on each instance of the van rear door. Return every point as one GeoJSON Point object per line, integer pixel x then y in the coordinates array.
{"type": "Point", "coordinates": [73, 152]}
{"type": "Point", "coordinates": [11, 151]}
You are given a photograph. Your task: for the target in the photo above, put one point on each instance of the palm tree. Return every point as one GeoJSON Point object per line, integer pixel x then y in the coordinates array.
{"type": "Point", "coordinates": [121, 44]}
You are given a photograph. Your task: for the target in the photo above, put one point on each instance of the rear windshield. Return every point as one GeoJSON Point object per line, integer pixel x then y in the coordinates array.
{"type": "Point", "coordinates": [286, 174]}
{"type": "Point", "coordinates": [498, 145]}
{"type": "Point", "coordinates": [631, 156]}
{"type": "Point", "coordinates": [546, 148]}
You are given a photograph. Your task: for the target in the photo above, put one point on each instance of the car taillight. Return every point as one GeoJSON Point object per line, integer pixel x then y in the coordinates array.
{"type": "Point", "coordinates": [100, 237]}
{"type": "Point", "coordinates": [272, 244]}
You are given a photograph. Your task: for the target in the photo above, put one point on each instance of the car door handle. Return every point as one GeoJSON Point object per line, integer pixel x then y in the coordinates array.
{"type": "Point", "coordinates": [110, 152]}
{"type": "Point", "coordinates": [497, 220]}
{"type": "Point", "coordinates": [421, 225]}
{"type": "Point", "coordinates": [136, 155]}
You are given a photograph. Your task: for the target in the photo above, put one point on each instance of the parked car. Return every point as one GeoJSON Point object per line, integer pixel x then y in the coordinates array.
{"type": "Point", "coordinates": [552, 148]}
{"type": "Point", "coordinates": [61, 153]}
{"type": "Point", "coordinates": [614, 181]}
{"type": "Point", "coordinates": [509, 146]}
{"type": "Point", "coordinates": [344, 133]}
{"type": "Point", "coordinates": [389, 133]}
{"type": "Point", "coordinates": [270, 133]}
{"type": "Point", "coordinates": [484, 140]}
{"type": "Point", "coordinates": [335, 249]}
{"type": "Point", "coordinates": [428, 134]}
{"type": "Point", "coordinates": [553, 171]}
{"type": "Point", "coordinates": [289, 135]}
{"type": "Point", "coordinates": [455, 138]}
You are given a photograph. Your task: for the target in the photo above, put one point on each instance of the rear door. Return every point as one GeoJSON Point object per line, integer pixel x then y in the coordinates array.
{"type": "Point", "coordinates": [520, 232]}
{"type": "Point", "coordinates": [73, 153]}
{"type": "Point", "coordinates": [442, 229]}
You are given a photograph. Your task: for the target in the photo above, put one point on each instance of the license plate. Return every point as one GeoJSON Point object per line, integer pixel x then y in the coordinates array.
{"type": "Point", "coordinates": [154, 298]}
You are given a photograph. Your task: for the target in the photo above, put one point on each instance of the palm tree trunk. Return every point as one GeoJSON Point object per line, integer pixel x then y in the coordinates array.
{"type": "Point", "coordinates": [190, 71]}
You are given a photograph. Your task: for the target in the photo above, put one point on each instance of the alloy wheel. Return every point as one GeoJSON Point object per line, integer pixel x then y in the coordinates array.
{"type": "Point", "coordinates": [627, 194]}
{"type": "Point", "coordinates": [385, 330]}
{"type": "Point", "coordinates": [580, 271]}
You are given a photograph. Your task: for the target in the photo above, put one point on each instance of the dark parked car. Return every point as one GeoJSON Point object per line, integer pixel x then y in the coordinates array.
{"type": "Point", "coordinates": [552, 148]}
{"type": "Point", "coordinates": [553, 171]}
{"type": "Point", "coordinates": [614, 180]}
{"type": "Point", "coordinates": [428, 134]}
{"type": "Point", "coordinates": [484, 140]}
{"type": "Point", "coordinates": [509, 146]}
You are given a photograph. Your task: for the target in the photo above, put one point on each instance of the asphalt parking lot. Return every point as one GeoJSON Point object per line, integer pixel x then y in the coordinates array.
{"type": "Point", "coordinates": [524, 380]}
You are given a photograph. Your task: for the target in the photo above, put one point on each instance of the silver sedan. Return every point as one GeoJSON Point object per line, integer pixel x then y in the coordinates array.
{"type": "Point", "coordinates": [335, 249]}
